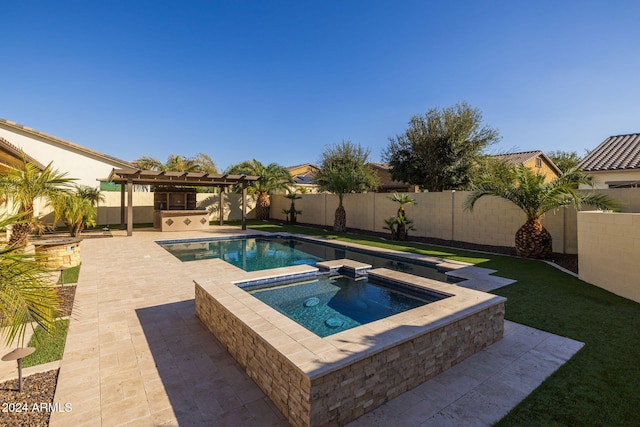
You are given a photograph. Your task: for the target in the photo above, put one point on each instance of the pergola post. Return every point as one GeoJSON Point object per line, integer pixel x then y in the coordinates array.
{"type": "Point", "coordinates": [122, 226]}
{"type": "Point", "coordinates": [244, 205]}
{"type": "Point", "coordinates": [129, 177]}
{"type": "Point", "coordinates": [221, 206]}
{"type": "Point", "coordinates": [129, 207]}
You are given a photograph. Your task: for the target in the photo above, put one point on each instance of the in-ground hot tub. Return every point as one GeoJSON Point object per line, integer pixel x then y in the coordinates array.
{"type": "Point", "coordinates": [332, 380]}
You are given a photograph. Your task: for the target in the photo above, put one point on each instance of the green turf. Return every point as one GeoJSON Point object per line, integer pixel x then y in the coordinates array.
{"type": "Point", "coordinates": [600, 385]}
{"type": "Point", "coordinates": [70, 275]}
{"type": "Point", "coordinates": [49, 348]}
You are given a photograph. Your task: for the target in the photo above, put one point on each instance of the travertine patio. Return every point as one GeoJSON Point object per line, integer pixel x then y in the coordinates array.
{"type": "Point", "coordinates": [137, 355]}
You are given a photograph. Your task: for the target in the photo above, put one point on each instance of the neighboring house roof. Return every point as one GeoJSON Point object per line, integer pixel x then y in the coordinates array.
{"type": "Point", "coordinates": [618, 152]}
{"type": "Point", "coordinates": [15, 155]}
{"type": "Point", "coordinates": [66, 144]}
{"type": "Point", "coordinates": [387, 183]}
{"type": "Point", "coordinates": [523, 157]}
{"type": "Point", "coordinates": [304, 173]}
{"type": "Point", "coordinates": [382, 166]}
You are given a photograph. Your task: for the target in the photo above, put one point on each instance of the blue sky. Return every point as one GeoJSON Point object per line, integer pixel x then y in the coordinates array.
{"type": "Point", "coordinates": [280, 80]}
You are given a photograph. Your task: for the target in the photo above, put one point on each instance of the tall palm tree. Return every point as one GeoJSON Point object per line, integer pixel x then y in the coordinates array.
{"type": "Point", "coordinates": [25, 294]}
{"type": "Point", "coordinates": [273, 177]}
{"type": "Point", "coordinates": [148, 163]}
{"type": "Point", "coordinates": [530, 193]}
{"type": "Point", "coordinates": [23, 186]}
{"type": "Point", "coordinates": [178, 163]}
{"type": "Point", "coordinates": [344, 170]}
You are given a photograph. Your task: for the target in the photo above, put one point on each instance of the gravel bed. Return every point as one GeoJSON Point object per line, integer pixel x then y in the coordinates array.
{"type": "Point", "coordinates": [66, 294]}
{"type": "Point", "coordinates": [33, 405]}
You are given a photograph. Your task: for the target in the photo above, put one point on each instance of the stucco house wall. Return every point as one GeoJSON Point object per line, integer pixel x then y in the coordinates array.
{"type": "Point", "coordinates": [84, 164]}
{"type": "Point", "coordinates": [604, 179]}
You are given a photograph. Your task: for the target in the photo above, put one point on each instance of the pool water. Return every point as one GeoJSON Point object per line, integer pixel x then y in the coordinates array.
{"type": "Point", "coordinates": [332, 304]}
{"type": "Point", "coordinates": [252, 254]}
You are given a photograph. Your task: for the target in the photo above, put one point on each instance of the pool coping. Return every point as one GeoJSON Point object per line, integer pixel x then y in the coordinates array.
{"type": "Point", "coordinates": [297, 369]}
{"type": "Point", "coordinates": [314, 355]}
{"type": "Point", "coordinates": [463, 273]}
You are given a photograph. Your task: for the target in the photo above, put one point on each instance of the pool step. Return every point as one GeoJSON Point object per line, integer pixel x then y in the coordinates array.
{"type": "Point", "coordinates": [344, 266]}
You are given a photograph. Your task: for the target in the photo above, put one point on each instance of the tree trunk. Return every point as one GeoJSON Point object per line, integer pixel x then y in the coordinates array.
{"type": "Point", "coordinates": [340, 222]}
{"type": "Point", "coordinates": [20, 234]}
{"type": "Point", "coordinates": [533, 240]}
{"type": "Point", "coordinates": [263, 206]}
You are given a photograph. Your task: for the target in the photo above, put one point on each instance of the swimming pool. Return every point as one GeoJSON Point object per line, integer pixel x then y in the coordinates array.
{"type": "Point", "coordinates": [332, 304]}
{"type": "Point", "coordinates": [255, 253]}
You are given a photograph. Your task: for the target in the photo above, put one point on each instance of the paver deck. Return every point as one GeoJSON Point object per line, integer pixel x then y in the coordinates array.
{"type": "Point", "coordinates": [136, 355]}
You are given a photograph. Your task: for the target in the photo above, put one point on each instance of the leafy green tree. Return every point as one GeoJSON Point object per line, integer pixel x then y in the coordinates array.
{"type": "Point", "coordinates": [344, 170]}
{"type": "Point", "coordinates": [23, 186]}
{"type": "Point", "coordinates": [25, 293]}
{"type": "Point", "coordinates": [493, 168]}
{"type": "Point", "coordinates": [273, 177]}
{"type": "Point", "coordinates": [565, 160]}
{"type": "Point", "coordinates": [439, 150]}
{"type": "Point", "coordinates": [530, 193]}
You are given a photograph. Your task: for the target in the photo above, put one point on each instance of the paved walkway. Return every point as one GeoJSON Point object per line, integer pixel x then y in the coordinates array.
{"type": "Point", "coordinates": [136, 355]}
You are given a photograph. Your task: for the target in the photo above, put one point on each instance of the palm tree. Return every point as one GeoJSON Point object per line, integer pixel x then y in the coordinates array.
{"type": "Point", "coordinates": [148, 163]}
{"type": "Point", "coordinates": [178, 163]}
{"type": "Point", "coordinates": [530, 193]}
{"type": "Point", "coordinates": [402, 199]}
{"type": "Point", "coordinates": [25, 294]}
{"type": "Point", "coordinates": [91, 194]}
{"type": "Point", "coordinates": [273, 177]}
{"type": "Point", "coordinates": [23, 186]}
{"type": "Point", "coordinates": [344, 170]}
{"type": "Point", "coordinates": [77, 209]}
{"type": "Point", "coordinates": [292, 212]}
{"type": "Point", "coordinates": [400, 225]}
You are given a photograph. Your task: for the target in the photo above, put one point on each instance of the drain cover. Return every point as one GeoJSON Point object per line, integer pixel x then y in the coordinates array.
{"type": "Point", "coordinates": [310, 302]}
{"type": "Point", "coordinates": [334, 322]}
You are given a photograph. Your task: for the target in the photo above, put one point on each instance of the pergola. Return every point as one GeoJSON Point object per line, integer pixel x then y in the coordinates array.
{"type": "Point", "coordinates": [132, 177]}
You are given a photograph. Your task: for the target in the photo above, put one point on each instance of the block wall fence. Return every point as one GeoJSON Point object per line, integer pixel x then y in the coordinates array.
{"type": "Point", "coordinates": [442, 215]}
{"type": "Point", "coordinates": [609, 250]}
{"type": "Point", "coordinates": [438, 215]}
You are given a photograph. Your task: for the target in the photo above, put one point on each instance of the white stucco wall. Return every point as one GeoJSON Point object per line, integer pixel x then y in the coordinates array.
{"type": "Point", "coordinates": [599, 178]}
{"type": "Point", "coordinates": [82, 166]}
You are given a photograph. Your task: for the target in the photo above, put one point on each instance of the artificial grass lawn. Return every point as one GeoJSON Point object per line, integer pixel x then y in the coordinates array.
{"type": "Point", "coordinates": [70, 275]}
{"type": "Point", "coordinates": [600, 385]}
{"type": "Point", "coordinates": [49, 348]}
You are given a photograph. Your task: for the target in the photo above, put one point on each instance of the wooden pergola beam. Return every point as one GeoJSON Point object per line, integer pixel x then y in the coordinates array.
{"type": "Point", "coordinates": [131, 177]}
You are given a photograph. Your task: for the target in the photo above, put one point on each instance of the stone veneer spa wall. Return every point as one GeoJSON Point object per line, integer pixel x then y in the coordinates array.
{"type": "Point", "coordinates": [317, 381]}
